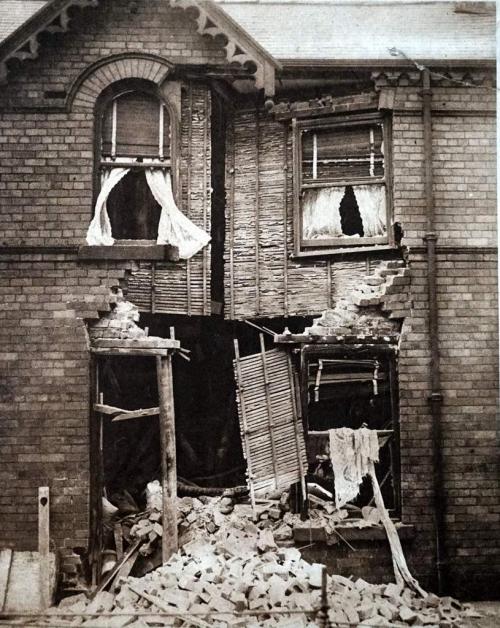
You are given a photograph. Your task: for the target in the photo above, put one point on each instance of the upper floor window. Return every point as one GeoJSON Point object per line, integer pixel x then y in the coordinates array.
{"type": "Point", "coordinates": [136, 199]}
{"type": "Point", "coordinates": [341, 183]}
{"type": "Point", "coordinates": [135, 134]}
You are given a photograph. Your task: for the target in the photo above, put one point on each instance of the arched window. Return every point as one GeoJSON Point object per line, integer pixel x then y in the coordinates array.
{"type": "Point", "coordinates": [135, 200]}
{"type": "Point", "coordinates": [135, 132]}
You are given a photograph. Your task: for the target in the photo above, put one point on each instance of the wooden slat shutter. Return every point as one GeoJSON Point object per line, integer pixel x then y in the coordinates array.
{"type": "Point", "coordinates": [271, 428]}
{"type": "Point", "coordinates": [137, 127]}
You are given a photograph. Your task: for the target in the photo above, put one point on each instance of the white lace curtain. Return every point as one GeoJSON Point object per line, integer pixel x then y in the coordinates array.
{"type": "Point", "coordinates": [174, 228]}
{"type": "Point", "coordinates": [321, 215]}
{"type": "Point", "coordinates": [321, 211]}
{"type": "Point", "coordinates": [371, 205]}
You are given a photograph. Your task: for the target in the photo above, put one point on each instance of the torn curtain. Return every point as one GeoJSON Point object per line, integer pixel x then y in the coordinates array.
{"type": "Point", "coordinates": [174, 228]}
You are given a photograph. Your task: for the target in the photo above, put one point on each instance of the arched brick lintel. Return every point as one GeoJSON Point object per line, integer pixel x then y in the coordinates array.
{"type": "Point", "coordinates": [93, 80]}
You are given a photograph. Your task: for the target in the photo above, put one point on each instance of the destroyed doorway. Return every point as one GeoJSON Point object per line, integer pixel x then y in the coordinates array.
{"type": "Point", "coordinates": [125, 457]}
{"type": "Point", "coordinates": [352, 387]}
{"type": "Point", "coordinates": [131, 454]}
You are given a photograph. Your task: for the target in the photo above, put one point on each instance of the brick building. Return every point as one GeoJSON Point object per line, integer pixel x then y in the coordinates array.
{"type": "Point", "coordinates": [340, 156]}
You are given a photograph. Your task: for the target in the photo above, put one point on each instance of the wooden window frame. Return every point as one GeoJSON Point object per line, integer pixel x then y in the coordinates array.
{"type": "Point", "coordinates": [169, 94]}
{"type": "Point", "coordinates": [338, 245]}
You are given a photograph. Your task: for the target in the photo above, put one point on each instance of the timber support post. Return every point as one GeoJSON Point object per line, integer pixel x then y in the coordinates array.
{"type": "Point", "coordinates": [44, 545]}
{"type": "Point", "coordinates": [168, 456]}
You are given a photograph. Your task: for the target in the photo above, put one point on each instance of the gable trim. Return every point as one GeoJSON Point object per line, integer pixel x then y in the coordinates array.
{"type": "Point", "coordinates": [23, 42]}
{"type": "Point", "coordinates": [240, 47]}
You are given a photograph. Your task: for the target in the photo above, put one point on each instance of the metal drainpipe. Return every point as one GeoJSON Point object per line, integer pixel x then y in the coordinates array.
{"type": "Point", "coordinates": [436, 397]}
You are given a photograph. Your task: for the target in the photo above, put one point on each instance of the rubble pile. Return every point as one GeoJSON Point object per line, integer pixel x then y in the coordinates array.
{"type": "Point", "coordinates": [239, 577]}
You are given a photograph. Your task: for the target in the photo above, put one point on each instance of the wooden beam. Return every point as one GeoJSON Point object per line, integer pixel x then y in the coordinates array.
{"type": "Point", "coordinates": [43, 545]}
{"type": "Point", "coordinates": [149, 342]}
{"type": "Point", "coordinates": [168, 456]}
{"type": "Point", "coordinates": [135, 414]}
{"type": "Point", "coordinates": [123, 415]}
{"type": "Point", "coordinates": [150, 252]}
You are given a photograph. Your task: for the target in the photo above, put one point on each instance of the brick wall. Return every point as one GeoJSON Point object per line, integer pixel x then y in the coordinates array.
{"type": "Point", "coordinates": [46, 171]}
{"type": "Point", "coordinates": [464, 187]}
{"type": "Point", "coordinates": [44, 392]}
{"type": "Point", "coordinates": [111, 28]}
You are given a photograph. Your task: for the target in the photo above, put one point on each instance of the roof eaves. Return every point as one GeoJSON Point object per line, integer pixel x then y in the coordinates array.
{"type": "Point", "coordinates": [23, 42]}
{"type": "Point", "coordinates": [292, 63]}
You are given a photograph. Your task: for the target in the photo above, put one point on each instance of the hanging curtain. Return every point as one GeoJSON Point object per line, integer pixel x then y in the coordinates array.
{"type": "Point", "coordinates": [371, 204]}
{"type": "Point", "coordinates": [320, 213]}
{"type": "Point", "coordinates": [99, 231]}
{"type": "Point", "coordinates": [174, 228]}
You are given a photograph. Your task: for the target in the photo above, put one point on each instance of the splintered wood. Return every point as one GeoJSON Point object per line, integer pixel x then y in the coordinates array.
{"type": "Point", "coordinates": [271, 430]}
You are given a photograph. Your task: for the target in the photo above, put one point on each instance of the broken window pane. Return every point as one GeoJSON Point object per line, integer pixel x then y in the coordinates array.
{"type": "Point", "coordinates": [350, 211]}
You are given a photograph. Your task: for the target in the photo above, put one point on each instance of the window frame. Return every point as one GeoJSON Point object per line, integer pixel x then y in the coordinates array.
{"type": "Point", "coordinates": [328, 246]}
{"type": "Point", "coordinates": [385, 355]}
{"type": "Point", "coordinates": [169, 94]}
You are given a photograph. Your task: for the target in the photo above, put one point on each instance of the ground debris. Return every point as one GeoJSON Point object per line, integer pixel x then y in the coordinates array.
{"type": "Point", "coordinates": [216, 579]}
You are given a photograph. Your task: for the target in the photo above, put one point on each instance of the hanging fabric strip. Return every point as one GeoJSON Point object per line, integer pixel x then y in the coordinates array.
{"type": "Point", "coordinates": [99, 231]}
{"type": "Point", "coordinates": [353, 454]}
{"type": "Point", "coordinates": [401, 571]}
{"type": "Point", "coordinates": [371, 205]}
{"type": "Point", "coordinates": [174, 228]}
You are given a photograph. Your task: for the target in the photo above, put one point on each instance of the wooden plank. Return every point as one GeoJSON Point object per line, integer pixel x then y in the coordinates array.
{"type": "Point", "coordinates": [118, 536]}
{"type": "Point", "coordinates": [241, 395]}
{"type": "Point", "coordinates": [44, 544]}
{"type": "Point", "coordinates": [24, 592]}
{"type": "Point", "coordinates": [131, 550]}
{"type": "Point", "coordinates": [168, 456]}
{"type": "Point", "coordinates": [269, 408]}
{"type": "Point", "coordinates": [285, 221]}
{"type": "Point", "coordinates": [158, 252]}
{"type": "Point", "coordinates": [125, 352]}
{"type": "Point", "coordinates": [206, 304]}
{"type": "Point", "coordinates": [136, 414]}
{"type": "Point", "coordinates": [149, 342]}
{"type": "Point", "coordinates": [231, 218]}
{"type": "Point", "coordinates": [5, 566]}
{"type": "Point", "coordinates": [257, 212]}
{"type": "Point", "coordinates": [188, 175]}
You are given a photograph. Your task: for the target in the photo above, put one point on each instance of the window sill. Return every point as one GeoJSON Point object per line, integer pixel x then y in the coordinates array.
{"type": "Point", "coordinates": [373, 533]}
{"type": "Point", "coordinates": [348, 250]}
{"type": "Point", "coordinates": [144, 252]}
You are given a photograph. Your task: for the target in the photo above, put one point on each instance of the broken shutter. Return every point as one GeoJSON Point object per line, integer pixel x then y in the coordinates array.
{"type": "Point", "coordinates": [271, 428]}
